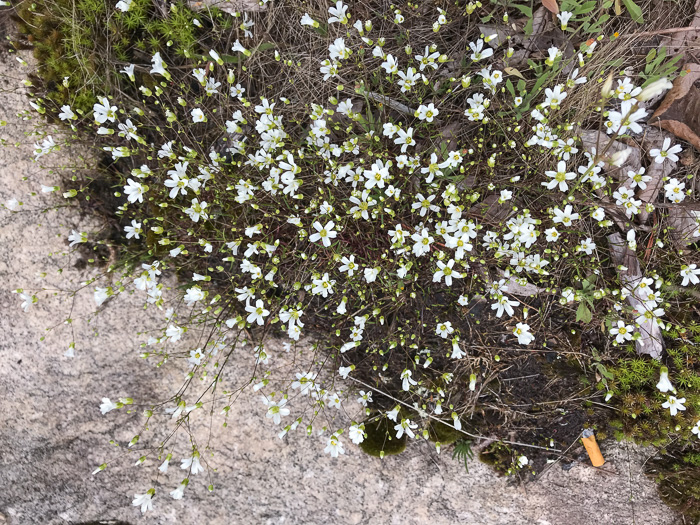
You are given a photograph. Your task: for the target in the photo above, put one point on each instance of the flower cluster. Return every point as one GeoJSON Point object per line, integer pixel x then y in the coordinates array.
{"type": "Point", "coordinates": [383, 213]}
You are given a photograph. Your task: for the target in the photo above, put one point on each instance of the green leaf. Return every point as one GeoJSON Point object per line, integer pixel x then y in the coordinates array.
{"type": "Point", "coordinates": [634, 10]}
{"type": "Point", "coordinates": [524, 9]}
{"type": "Point", "coordinates": [510, 88]}
{"type": "Point", "coordinates": [587, 7]}
{"type": "Point", "coordinates": [583, 313]}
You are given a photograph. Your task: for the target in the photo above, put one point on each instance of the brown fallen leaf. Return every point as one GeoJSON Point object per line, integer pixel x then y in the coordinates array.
{"type": "Point", "coordinates": [551, 6]}
{"type": "Point", "coordinates": [651, 342]}
{"type": "Point", "coordinates": [514, 72]}
{"type": "Point", "coordinates": [679, 112]}
{"type": "Point", "coordinates": [599, 140]}
{"type": "Point", "coordinates": [490, 211]}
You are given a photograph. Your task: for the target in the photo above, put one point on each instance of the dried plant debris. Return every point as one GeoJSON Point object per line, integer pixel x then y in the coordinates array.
{"type": "Point", "coordinates": [651, 342]}
{"type": "Point", "coordinates": [679, 112]}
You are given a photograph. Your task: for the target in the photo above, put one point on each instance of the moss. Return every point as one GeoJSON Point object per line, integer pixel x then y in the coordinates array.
{"type": "Point", "coordinates": [678, 478]}
{"type": "Point", "coordinates": [443, 434]}
{"type": "Point", "coordinates": [71, 39]}
{"type": "Point", "coordinates": [380, 440]}
{"type": "Point", "coordinates": [499, 456]}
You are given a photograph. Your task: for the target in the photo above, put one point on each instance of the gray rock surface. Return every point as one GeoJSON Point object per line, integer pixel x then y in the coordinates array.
{"type": "Point", "coordinates": [53, 434]}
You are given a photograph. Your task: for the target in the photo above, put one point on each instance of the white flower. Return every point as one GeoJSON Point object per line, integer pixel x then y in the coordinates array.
{"type": "Point", "coordinates": [427, 113]}
{"type": "Point", "coordinates": [257, 313]}
{"type": "Point", "coordinates": [338, 13]}
{"type": "Point", "coordinates": [325, 233]}
{"type": "Point", "coordinates": [198, 115]}
{"type": "Point", "coordinates": [664, 385]}
{"type": "Point", "coordinates": [101, 295]}
{"type": "Point", "coordinates": [192, 463]}
{"type": "Point", "coordinates": [392, 414]}
{"type": "Point", "coordinates": [124, 5]}
{"type": "Point", "coordinates": [622, 332]}
{"type": "Point", "coordinates": [180, 490]}
{"type": "Point", "coordinates": [129, 71]}
{"type": "Point", "coordinates": [406, 380]}
{"type": "Point", "coordinates": [134, 230]}
{"type": "Point", "coordinates": [655, 88]}
{"type": "Point", "coordinates": [446, 271]}
{"type": "Point", "coordinates": [564, 18]}
{"type": "Point", "coordinates": [696, 429]}
{"type": "Point", "coordinates": [276, 411]}
{"type": "Point", "coordinates": [405, 139]}
{"type": "Point", "coordinates": [406, 426]}
{"type": "Point", "coordinates": [104, 111]}
{"type": "Point", "coordinates": [675, 190]}
{"type": "Point", "coordinates": [674, 404]}
{"type": "Point", "coordinates": [457, 352]}
{"type": "Point", "coordinates": [77, 238]}
{"type": "Point", "coordinates": [690, 274]}
{"type": "Point", "coordinates": [478, 51]}
{"type": "Point", "coordinates": [365, 397]}
{"type": "Point", "coordinates": [559, 177]}
{"type": "Point", "coordinates": [197, 210]}
{"type": "Point", "coordinates": [193, 295]}
{"type": "Point", "coordinates": [565, 217]}
{"type": "Point", "coordinates": [334, 446]}
{"type": "Point", "coordinates": [164, 466]}
{"type": "Point", "coordinates": [306, 20]}
{"type": "Point", "coordinates": [356, 433]}
{"type": "Point", "coordinates": [552, 235]}
{"type": "Point", "coordinates": [322, 286]}
{"type": "Point", "coordinates": [66, 113]}
{"type": "Point", "coordinates": [522, 332]}
{"type": "Point", "coordinates": [554, 97]}
{"type": "Point", "coordinates": [159, 66]}
{"type": "Point", "coordinates": [344, 371]}
{"type": "Point", "coordinates": [145, 501]}
{"type": "Point", "coordinates": [666, 152]}
{"type": "Point", "coordinates": [349, 265]}
{"type": "Point", "coordinates": [587, 246]}
{"type": "Point", "coordinates": [503, 304]}
{"type": "Point", "coordinates": [626, 118]}
{"type": "Point", "coordinates": [371, 274]}
{"type": "Point", "coordinates": [196, 356]}
{"type": "Point", "coordinates": [444, 329]}
{"type": "Point", "coordinates": [135, 190]}
{"type": "Point", "coordinates": [107, 405]}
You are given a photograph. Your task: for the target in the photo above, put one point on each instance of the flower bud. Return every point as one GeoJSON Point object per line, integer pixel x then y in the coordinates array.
{"type": "Point", "coordinates": [655, 88]}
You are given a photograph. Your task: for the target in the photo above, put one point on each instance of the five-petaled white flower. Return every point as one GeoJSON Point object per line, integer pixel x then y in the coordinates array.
{"type": "Point", "coordinates": [257, 313]}
{"type": "Point", "coordinates": [446, 271]}
{"type": "Point", "coordinates": [444, 329]}
{"type": "Point", "coordinates": [559, 177]}
{"type": "Point", "coordinates": [276, 410]}
{"type": "Point", "coordinates": [622, 332]}
{"type": "Point", "coordinates": [690, 274]}
{"type": "Point", "coordinates": [522, 332]}
{"type": "Point", "coordinates": [334, 447]}
{"type": "Point", "coordinates": [666, 152]}
{"type": "Point", "coordinates": [674, 404]}
{"type": "Point", "coordinates": [325, 233]}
